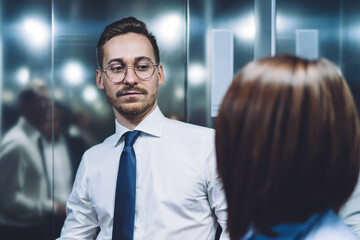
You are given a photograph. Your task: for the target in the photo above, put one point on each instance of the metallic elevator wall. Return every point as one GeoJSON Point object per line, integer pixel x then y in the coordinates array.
{"type": "Point", "coordinates": [53, 42]}
{"type": "Point", "coordinates": [310, 15]}
{"type": "Point", "coordinates": [337, 26]}
{"type": "Point", "coordinates": [350, 46]}
{"type": "Point", "coordinates": [205, 16]}
{"type": "Point", "coordinates": [24, 55]}
{"type": "Point", "coordinates": [71, 30]}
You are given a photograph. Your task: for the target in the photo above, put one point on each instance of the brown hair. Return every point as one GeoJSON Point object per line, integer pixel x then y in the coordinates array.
{"type": "Point", "coordinates": [123, 26]}
{"type": "Point", "coordinates": [287, 142]}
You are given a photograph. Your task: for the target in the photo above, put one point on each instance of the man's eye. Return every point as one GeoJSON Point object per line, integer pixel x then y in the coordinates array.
{"type": "Point", "coordinates": [142, 67]}
{"type": "Point", "coordinates": [116, 68]}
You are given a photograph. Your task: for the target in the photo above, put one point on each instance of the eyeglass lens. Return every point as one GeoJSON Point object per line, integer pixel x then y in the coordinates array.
{"type": "Point", "coordinates": [143, 69]}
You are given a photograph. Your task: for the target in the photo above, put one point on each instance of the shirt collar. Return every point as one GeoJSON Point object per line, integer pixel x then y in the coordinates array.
{"type": "Point", "coordinates": [295, 230]}
{"type": "Point", "coordinates": [151, 125]}
{"type": "Point", "coordinates": [30, 131]}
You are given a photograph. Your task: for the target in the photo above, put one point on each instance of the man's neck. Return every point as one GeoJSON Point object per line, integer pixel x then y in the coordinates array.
{"type": "Point", "coordinates": [130, 122]}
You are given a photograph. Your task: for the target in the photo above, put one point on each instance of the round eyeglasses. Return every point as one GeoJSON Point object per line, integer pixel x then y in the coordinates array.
{"type": "Point", "coordinates": [116, 72]}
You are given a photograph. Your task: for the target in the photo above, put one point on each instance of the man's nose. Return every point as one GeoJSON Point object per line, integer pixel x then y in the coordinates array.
{"type": "Point", "coordinates": [130, 75]}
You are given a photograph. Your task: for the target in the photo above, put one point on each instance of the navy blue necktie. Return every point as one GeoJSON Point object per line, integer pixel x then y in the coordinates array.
{"type": "Point", "coordinates": [124, 212]}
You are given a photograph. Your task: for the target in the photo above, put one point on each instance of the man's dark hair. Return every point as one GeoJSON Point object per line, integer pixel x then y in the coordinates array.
{"type": "Point", "coordinates": [123, 26]}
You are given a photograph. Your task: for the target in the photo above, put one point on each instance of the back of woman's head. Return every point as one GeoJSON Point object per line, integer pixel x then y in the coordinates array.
{"type": "Point", "coordinates": [287, 142]}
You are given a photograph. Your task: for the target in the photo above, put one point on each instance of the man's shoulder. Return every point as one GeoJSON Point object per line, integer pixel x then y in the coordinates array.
{"type": "Point", "coordinates": [188, 127]}
{"type": "Point", "coordinates": [104, 146]}
{"type": "Point", "coordinates": [15, 137]}
{"type": "Point", "coordinates": [189, 135]}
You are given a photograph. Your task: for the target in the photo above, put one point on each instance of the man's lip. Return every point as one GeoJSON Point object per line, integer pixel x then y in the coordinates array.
{"type": "Point", "coordinates": [130, 93]}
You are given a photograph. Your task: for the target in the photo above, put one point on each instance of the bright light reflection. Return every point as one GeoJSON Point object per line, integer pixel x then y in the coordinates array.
{"type": "Point", "coordinates": [197, 73]}
{"type": "Point", "coordinates": [59, 94]}
{"type": "Point", "coordinates": [90, 94]}
{"type": "Point", "coordinates": [285, 23]}
{"type": "Point", "coordinates": [245, 28]}
{"type": "Point", "coordinates": [23, 76]}
{"type": "Point", "coordinates": [354, 31]}
{"type": "Point", "coordinates": [73, 73]}
{"type": "Point", "coordinates": [8, 97]}
{"type": "Point", "coordinates": [36, 31]}
{"type": "Point", "coordinates": [179, 93]}
{"type": "Point", "coordinates": [169, 28]}
{"type": "Point", "coordinates": [100, 108]}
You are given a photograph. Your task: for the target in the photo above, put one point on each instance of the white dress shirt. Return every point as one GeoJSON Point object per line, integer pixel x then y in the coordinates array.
{"type": "Point", "coordinates": [178, 192]}
{"type": "Point", "coordinates": [350, 212]}
{"type": "Point", "coordinates": [320, 226]}
{"type": "Point", "coordinates": [58, 165]}
{"type": "Point", "coordinates": [24, 197]}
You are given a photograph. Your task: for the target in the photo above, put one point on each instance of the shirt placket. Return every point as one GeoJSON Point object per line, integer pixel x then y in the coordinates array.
{"type": "Point", "coordinates": [139, 204]}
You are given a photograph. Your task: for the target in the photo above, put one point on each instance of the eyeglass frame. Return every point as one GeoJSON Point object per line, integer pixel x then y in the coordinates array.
{"type": "Point", "coordinates": [126, 69]}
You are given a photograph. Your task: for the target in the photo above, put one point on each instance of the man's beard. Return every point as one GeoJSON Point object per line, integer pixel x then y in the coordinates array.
{"type": "Point", "coordinates": [132, 111]}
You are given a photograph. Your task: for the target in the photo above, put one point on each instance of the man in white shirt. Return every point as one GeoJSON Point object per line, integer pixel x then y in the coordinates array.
{"type": "Point", "coordinates": [178, 192]}
{"type": "Point", "coordinates": [26, 206]}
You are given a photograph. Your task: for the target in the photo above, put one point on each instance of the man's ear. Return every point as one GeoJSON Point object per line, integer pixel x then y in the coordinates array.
{"type": "Point", "coordinates": [99, 79]}
{"type": "Point", "coordinates": [161, 76]}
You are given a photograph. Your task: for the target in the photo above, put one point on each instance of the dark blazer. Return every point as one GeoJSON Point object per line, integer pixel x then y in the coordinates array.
{"type": "Point", "coordinates": [76, 147]}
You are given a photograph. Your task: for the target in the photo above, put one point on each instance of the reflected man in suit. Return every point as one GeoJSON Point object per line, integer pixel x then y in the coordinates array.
{"type": "Point", "coordinates": [26, 207]}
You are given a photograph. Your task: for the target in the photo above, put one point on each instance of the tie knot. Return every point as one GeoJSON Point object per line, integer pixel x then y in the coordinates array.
{"type": "Point", "coordinates": [130, 137]}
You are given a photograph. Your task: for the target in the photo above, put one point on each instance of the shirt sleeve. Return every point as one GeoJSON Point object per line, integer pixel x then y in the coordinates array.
{"type": "Point", "coordinates": [81, 221]}
{"type": "Point", "coordinates": [216, 194]}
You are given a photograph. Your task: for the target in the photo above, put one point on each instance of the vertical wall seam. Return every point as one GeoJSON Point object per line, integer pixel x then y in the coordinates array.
{"type": "Point", "coordinates": [273, 27]}
{"type": "Point", "coordinates": [187, 50]}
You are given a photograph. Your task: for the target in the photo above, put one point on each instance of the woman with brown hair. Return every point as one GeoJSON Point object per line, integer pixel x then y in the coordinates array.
{"type": "Point", "coordinates": [287, 141]}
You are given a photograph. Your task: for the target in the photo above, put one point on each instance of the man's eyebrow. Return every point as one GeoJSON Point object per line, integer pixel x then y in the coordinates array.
{"type": "Point", "coordinates": [116, 60]}
{"type": "Point", "coordinates": [137, 59]}
{"type": "Point", "coordinates": [121, 60]}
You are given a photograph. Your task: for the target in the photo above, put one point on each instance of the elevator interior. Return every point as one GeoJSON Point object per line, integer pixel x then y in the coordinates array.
{"type": "Point", "coordinates": [54, 41]}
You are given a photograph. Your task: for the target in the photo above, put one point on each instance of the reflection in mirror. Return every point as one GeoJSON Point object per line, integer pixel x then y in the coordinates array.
{"type": "Point", "coordinates": [54, 42]}
{"type": "Point", "coordinates": [26, 204]}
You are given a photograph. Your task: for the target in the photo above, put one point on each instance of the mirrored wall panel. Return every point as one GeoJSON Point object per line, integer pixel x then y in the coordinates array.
{"type": "Point", "coordinates": [314, 29]}
{"type": "Point", "coordinates": [26, 202]}
{"type": "Point", "coordinates": [234, 19]}
{"type": "Point", "coordinates": [51, 109]}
